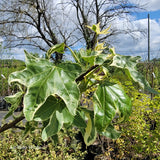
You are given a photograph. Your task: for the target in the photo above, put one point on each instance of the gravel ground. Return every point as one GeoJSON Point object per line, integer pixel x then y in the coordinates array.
{"type": "Point", "coordinates": [2, 114]}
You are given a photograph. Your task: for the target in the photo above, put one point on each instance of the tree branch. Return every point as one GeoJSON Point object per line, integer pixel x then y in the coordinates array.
{"type": "Point", "coordinates": [12, 124]}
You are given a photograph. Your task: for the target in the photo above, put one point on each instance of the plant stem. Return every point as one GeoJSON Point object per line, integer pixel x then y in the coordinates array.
{"type": "Point", "coordinates": [74, 55]}
{"type": "Point", "coordinates": [12, 124]}
{"type": "Point", "coordinates": [82, 76]}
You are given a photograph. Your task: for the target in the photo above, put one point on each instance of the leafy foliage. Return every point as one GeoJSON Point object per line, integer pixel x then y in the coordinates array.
{"type": "Point", "coordinates": [14, 145]}
{"type": "Point", "coordinates": [8, 66]}
{"type": "Point", "coordinates": [53, 91]}
{"type": "Point", "coordinates": [140, 134]}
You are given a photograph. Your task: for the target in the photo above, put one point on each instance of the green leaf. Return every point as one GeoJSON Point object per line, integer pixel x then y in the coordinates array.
{"type": "Point", "coordinates": [96, 28]}
{"type": "Point", "coordinates": [122, 61]}
{"type": "Point", "coordinates": [59, 48]}
{"type": "Point", "coordinates": [100, 59]}
{"type": "Point", "coordinates": [46, 110]}
{"type": "Point", "coordinates": [58, 116]}
{"type": "Point", "coordinates": [100, 47]}
{"type": "Point", "coordinates": [110, 99]}
{"type": "Point", "coordinates": [128, 63]}
{"type": "Point", "coordinates": [140, 79]}
{"type": "Point", "coordinates": [54, 125]}
{"type": "Point", "coordinates": [44, 79]}
{"type": "Point", "coordinates": [34, 66]}
{"type": "Point", "coordinates": [79, 121]}
{"type": "Point", "coordinates": [29, 127]}
{"type": "Point", "coordinates": [55, 139]}
{"type": "Point", "coordinates": [15, 101]}
{"type": "Point", "coordinates": [56, 112]}
{"type": "Point", "coordinates": [94, 57]}
{"type": "Point", "coordinates": [89, 59]}
{"type": "Point", "coordinates": [86, 56]}
{"type": "Point", "coordinates": [90, 133]}
{"type": "Point", "coordinates": [111, 132]}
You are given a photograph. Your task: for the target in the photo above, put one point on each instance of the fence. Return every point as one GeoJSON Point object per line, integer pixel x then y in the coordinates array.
{"type": "Point", "coordinates": [151, 71]}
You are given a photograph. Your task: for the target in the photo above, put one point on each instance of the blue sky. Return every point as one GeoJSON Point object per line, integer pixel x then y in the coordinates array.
{"type": "Point", "coordinates": [139, 47]}
{"type": "Point", "coordinates": [153, 15]}
{"type": "Point", "coordinates": [124, 44]}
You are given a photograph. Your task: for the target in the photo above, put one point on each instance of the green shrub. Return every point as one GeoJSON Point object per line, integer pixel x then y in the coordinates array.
{"type": "Point", "coordinates": [54, 91]}
{"type": "Point", "coordinates": [14, 146]}
{"type": "Point", "coordinates": [140, 138]}
{"type": "Point", "coordinates": [53, 96]}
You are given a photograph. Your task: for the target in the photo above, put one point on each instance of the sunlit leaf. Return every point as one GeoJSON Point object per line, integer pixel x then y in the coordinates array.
{"type": "Point", "coordinates": [54, 125]}
{"type": "Point", "coordinates": [100, 47]}
{"type": "Point", "coordinates": [93, 57]}
{"type": "Point", "coordinates": [128, 63]}
{"type": "Point", "coordinates": [112, 51]}
{"type": "Point", "coordinates": [109, 100]}
{"type": "Point", "coordinates": [90, 131]}
{"type": "Point", "coordinates": [96, 28]}
{"type": "Point", "coordinates": [43, 79]}
{"type": "Point", "coordinates": [105, 31]}
{"type": "Point", "coordinates": [59, 48]}
{"type": "Point", "coordinates": [100, 59]}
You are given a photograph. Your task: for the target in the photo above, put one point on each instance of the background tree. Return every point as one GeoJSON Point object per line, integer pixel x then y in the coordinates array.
{"type": "Point", "coordinates": [43, 23]}
{"type": "Point", "coordinates": [107, 12]}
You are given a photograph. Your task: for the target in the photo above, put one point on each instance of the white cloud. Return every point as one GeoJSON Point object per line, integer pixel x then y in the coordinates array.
{"type": "Point", "coordinates": [127, 45]}
{"type": "Point", "coordinates": [1, 39]}
{"type": "Point", "coordinates": [124, 43]}
{"type": "Point", "coordinates": [18, 53]}
{"type": "Point", "coordinates": [150, 5]}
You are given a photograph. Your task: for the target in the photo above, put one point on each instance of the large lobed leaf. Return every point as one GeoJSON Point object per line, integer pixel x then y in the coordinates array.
{"type": "Point", "coordinates": [109, 100]}
{"type": "Point", "coordinates": [44, 79]}
{"type": "Point", "coordinates": [91, 58]}
{"type": "Point", "coordinates": [55, 113]}
{"type": "Point", "coordinates": [128, 63]}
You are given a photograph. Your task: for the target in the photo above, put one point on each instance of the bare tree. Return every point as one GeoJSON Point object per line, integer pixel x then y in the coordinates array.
{"type": "Point", "coordinates": [107, 12]}
{"type": "Point", "coordinates": [43, 23]}
{"type": "Point", "coordinates": [31, 22]}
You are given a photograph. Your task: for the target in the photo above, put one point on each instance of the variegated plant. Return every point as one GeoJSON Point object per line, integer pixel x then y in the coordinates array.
{"type": "Point", "coordinates": [53, 92]}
